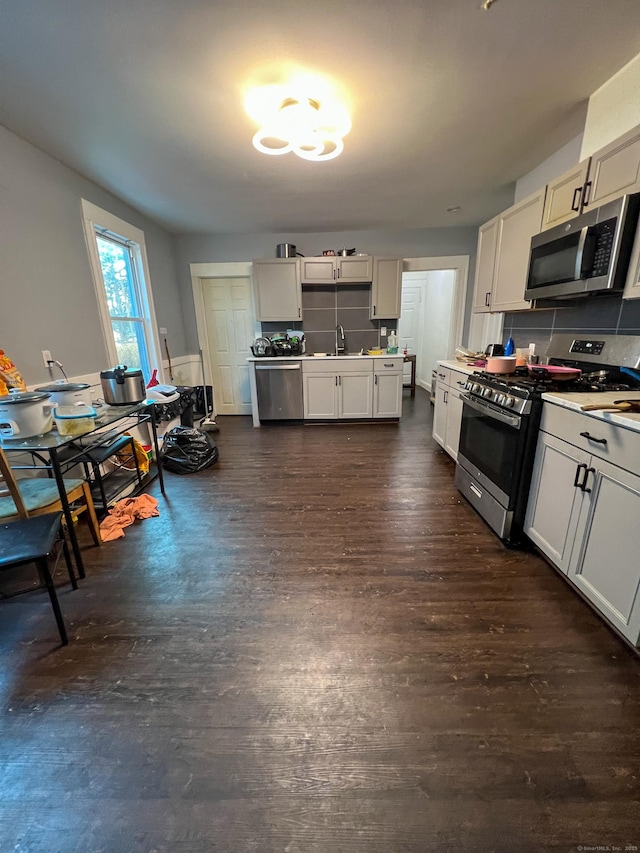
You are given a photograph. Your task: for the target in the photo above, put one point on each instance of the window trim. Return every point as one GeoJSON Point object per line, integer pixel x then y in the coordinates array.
{"type": "Point", "coordinates": [93, 218]}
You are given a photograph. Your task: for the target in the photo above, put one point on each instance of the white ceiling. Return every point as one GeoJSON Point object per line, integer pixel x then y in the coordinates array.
{"type": "Point", "coordinates": [450, 104]}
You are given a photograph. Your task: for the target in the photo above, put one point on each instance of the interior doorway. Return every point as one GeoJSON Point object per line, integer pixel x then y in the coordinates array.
{"type": "Point", "coordinates": [432, 319]}
{"type": "Point", "coordinates": [225, 319]}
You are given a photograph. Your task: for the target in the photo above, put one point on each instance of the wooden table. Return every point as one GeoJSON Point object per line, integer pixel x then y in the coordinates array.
{"type": "Point", "coordinates": [412, 384]}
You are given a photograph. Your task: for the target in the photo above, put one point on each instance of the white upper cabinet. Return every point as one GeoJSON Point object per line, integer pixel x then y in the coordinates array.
{"type": "Point", "coordinates": [336, 270]}
{"type": "Point", "coordinates": [386, 288]}
{"type": "Point", "coordinates": [277, 289]}
{"type": "Point", "coordinates": [564, 196]}
{"type": "Point", "coordinates": [614, 171]}
{"type": "Point", "coordinates": [485, 265]}
{"type": "Point", "coordinates": [517, 226]}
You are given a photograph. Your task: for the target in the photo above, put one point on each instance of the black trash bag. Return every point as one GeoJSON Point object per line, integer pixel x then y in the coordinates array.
{"type": "Point", "coordinates": [186, 450]}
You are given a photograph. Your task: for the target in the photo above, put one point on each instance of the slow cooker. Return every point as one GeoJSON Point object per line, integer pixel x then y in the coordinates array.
{"type": "Point", "coordinates": [67, 393]}
{"type": "Point", "coordinates": [24, 414]}
{"type": "Point", "coordinates": [122, 386]}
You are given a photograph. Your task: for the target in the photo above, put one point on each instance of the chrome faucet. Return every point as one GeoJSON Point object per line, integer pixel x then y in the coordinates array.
{"type": "Point", "coordinates": [339, 340]}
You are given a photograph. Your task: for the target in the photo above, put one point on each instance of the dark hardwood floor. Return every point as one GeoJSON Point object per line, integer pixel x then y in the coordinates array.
{"type": "Point", "coordinates": [316, 648]}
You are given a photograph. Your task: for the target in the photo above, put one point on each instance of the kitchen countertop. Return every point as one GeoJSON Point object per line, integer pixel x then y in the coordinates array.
{"type": "Point", "coordinates": [462, 366]}
{"type": "Point", "coordinates": [320, 357]}
{"type": "Point", "coordinates": [575, 401]}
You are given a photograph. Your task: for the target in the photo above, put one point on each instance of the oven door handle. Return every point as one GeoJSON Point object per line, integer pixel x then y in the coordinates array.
{"type": "Point", "coordinates": [514, 421]}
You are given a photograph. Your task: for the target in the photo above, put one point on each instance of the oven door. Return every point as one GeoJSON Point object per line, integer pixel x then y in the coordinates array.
{"type": "Point", "coordinates": [491, 448]}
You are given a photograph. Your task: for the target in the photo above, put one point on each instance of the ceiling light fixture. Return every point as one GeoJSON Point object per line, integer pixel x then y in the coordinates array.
{"type": "Point", "coordinates": [311, 129]}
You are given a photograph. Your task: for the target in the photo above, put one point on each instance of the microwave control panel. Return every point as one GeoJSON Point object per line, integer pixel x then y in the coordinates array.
{"type": "Point", "coordinates": [587, 347]}
{"type": "Point", "coordinates": [603, 233]}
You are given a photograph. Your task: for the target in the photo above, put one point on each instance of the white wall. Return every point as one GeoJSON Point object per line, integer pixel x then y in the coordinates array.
{"type": "Point", "coordinates": [560, 161]}
{"type": "Point", "coordinates": [47, 297]}
{"type": "Point", "coordinates": [613, 109]}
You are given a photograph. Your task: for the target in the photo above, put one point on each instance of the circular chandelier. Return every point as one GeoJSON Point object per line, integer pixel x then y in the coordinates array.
{"type": "Point", "coordinates": [311, 129]}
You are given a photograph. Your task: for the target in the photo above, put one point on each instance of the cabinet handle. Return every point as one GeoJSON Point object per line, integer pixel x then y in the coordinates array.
{"type": "Point", "coordinates": [374, 310]}
{"type": "Point", "coordinates": [583, 484]}
{"type": "Point", "coordinates": [336, 381]}
{"type": "Point", "coordinates": [464, 384]}
{"type": "Point", "coordinates": [446, 396]}
{"type": "Point", "coordinates": [487, 299]}
{"type": "Point", "coordinates": [576, 479]}
{"type": "Point", "coordinates": [299, 313]}
{"type": "Point", "coordinates": [339, 380]}
{"type": "Point", "coordinates": [587, 193]}
{"type": "Point", "coordinates": [575, 204]}
{"type": "Point", "coordinates": [375, 379]}
{"type": "Point", "coordinates": [590, 437]}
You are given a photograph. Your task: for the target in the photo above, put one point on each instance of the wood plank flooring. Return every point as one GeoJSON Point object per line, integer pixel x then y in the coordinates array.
{"type": "Point", "coordinates": [318, 647]}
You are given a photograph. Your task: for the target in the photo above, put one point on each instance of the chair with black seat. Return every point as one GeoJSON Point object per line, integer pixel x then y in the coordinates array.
{"type": "Point", "coordinates": [33, 496]}
{"type": "Point", "coordinates": [31, 540]}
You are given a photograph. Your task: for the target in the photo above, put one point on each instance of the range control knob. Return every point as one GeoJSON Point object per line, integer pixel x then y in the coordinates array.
{"type": "Point", "coordinates": [487, 392]}
{"type": "Point", "coordinates": [475, 388]}
{"type": "Point", "coordinates": [499, 399]}
{"type": "Point", "coordinates": [509, 402]}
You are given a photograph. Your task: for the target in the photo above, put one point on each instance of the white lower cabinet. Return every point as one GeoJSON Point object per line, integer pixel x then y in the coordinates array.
{"type": "Point", "coordinates": [447, 414]}
{"type": "Point", "coordinates": [320, 393]}
{"type": "Point", "coordinates": [355, 392]}
{"type": "Point", "coordinates": [358, 388]}
{"type": "Point", "coordinates": [583, 515]}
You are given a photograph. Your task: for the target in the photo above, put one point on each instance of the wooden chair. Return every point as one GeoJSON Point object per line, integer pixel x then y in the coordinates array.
{"type": "Point", "coordinates": [32, 496]}
{"type": "Point", "coordinates": [30, 540]}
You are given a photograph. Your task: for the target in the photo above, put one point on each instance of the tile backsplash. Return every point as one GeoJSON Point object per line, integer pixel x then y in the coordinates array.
{"type": "Point", "coordinates": [593, 315]}
{"type": "Point", "coordinates": [324, 306]}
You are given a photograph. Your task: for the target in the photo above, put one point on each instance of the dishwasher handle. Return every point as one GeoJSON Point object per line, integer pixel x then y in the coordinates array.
{"type": "Point", "coordinates": [278, 367]}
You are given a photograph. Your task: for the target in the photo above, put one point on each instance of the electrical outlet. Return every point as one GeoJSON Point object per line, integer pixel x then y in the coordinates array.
{"type": "Point", "coordinates": [46, 357]}
{"type": "Point", "coordinates": [383, 330]}
{"type": "Point", "coordinates": [162, 331]}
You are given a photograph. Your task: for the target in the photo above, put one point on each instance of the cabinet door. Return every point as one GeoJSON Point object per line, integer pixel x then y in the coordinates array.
{"type": "Point", "coordinates": [317, 270]}
{"type": "Point", "coordinates": [485, 265]}
{"type": "Point", "coordinates": [615, 170]}
{"type": "Point", "coordinates": [454, 422]}
{"type": "Point", "coordinates": [564, 196]}
{"type": "Point", "coordinates": [440, 413]}
{"type": "Point", "coordinates": [517, 227]}
{"type": "Point", "coordinates": [354, 269]}
{"type": "Point", "coordinates": [355, 392]}
{"type": "Point", "coordinates": [554, 499]}
{"type": "Point", "coordinates": [386, 288]}
{"type": "Point", "coordinates": [387, 395]}
{"type": "Point", "coordinates": [606, 567]}
{"type": "Point", "coordinates": [277, 289]}
{"type": "Point", "coordinates": [632, 286]}
{"type": "Point", "coordinates": [320, 395]}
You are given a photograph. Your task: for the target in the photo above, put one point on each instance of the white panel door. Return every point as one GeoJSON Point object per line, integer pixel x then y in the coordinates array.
{"type": "Point", "coordinates": [409, 326]}
{"type": "Point", "coordinates": [229, 322]}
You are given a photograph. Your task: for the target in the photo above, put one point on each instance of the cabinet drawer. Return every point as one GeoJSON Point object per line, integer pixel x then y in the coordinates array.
{"type": "Point", "coordinates": [443, 374]}
{"type": "Point", "coordinates": [457, 378]}
{"type": "Point", "coordinates": [620, 446]}
{"type": "Point", "coordinates": [337, 366]}
{"type": "Point", "coordinates": [388, 365]}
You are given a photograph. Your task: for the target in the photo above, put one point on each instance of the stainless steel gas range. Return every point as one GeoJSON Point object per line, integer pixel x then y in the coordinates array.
{"type": "Point", "coordinates": [501, 417]}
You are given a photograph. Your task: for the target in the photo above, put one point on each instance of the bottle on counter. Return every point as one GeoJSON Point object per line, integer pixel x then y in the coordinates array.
{"type": "Point", "coordinates": [509, 347]}
{"type": "Point", "coordinates": [392, 343]}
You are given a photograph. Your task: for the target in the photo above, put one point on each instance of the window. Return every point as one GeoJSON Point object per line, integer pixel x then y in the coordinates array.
{"type": "Point", "coordinates": [119, 264]}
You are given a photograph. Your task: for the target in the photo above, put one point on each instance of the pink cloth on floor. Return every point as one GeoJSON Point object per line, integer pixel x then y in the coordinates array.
{"type": "Point", "coordinates": [125, 513]}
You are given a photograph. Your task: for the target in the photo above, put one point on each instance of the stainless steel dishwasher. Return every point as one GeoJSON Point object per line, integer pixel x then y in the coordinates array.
{"type": "Point", "coordinates": [279, 387]}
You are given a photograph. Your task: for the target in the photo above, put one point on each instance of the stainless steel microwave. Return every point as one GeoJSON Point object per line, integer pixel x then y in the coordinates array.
{"type": "Point", "coordinates": [588, 254]}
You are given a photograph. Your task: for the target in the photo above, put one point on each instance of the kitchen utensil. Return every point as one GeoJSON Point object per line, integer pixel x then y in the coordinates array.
{"type": "Point", "coordinates": [121, 386]}
{"type": "Point", "coordinates": [24, 414]}
{"type": "Point", "coordinates": [555, 372]}
{"type": "Point", "coordinates": [67, 393]}
{"type": "Point", "coordinates": [345, 252]}
{"type": "Point", "coordinates": [494, 349]}
{"type": "Point", "coordinates": [501, 364]}
{"type": "Point", "coordinates": [262, 347]}
{"type": "Point", "coordinates": [617, 406]}
{"type": "Point", "coordinates": [287, 250]}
